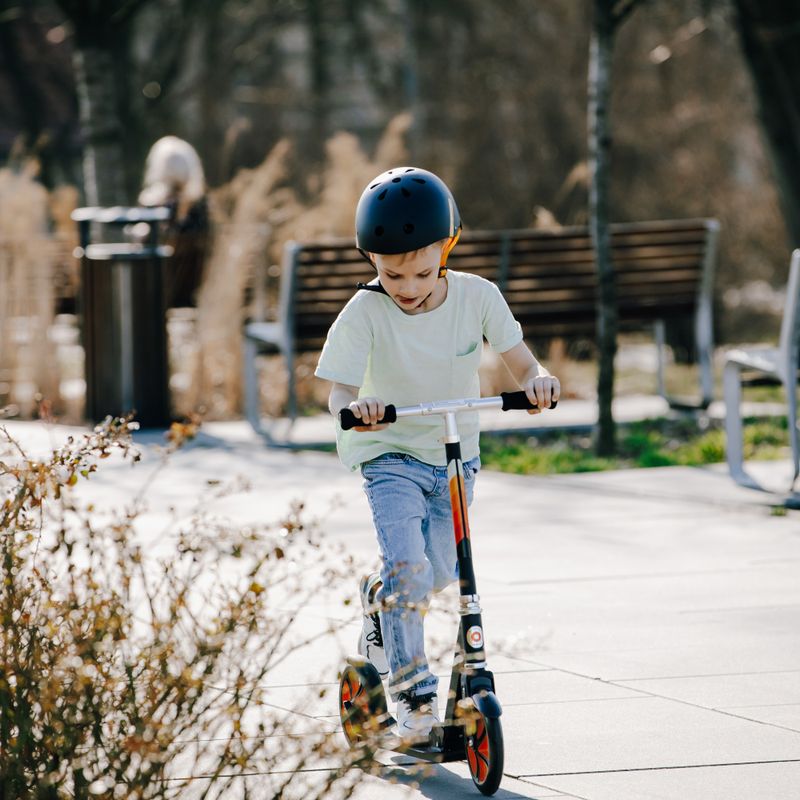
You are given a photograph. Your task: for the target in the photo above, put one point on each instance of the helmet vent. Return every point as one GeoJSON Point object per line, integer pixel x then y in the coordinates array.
{"type": "Point", "coordinates": [418, 180]}
{"type": "Point", "coordinates": [374, 185]}
{"type": "Point", "coordinates": [382, 194]}
{"type": "Point", "coordinates": [410, 169]}
{"type": "Point", "coordinates": [408, 228]}
{"type": "Point", "coordinates": [405, 191]}
{"type": "Point", "coordinates": [379, 230]}
{"type": "Point", "coordinates": [396, 180]}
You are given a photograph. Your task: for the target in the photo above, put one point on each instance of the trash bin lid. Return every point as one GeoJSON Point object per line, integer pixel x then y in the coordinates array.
{"type": "Point", "coordinates": [123, 251]}
{"type": "Point", "coordinates": [121, 215]}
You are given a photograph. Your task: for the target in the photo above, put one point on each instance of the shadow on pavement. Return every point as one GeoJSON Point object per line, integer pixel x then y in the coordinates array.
{"type": "Point", "coordinates": [439, 783]}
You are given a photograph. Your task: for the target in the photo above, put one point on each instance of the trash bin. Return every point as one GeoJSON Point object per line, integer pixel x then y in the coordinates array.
{"type": "Point", "coordinates": [123, 317]}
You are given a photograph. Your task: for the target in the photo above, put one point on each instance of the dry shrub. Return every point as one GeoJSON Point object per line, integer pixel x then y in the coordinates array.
{"type": "Point", "coordinates": [255, 215]}
{"type": "Point", "coordinates": [126, 666]}
{"type": "Point", "coordinates": [28, 261]}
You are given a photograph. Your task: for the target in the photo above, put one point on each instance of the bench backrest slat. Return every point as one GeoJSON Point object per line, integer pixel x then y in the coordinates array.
{"type": "Point", "coordinates": [548, 277]}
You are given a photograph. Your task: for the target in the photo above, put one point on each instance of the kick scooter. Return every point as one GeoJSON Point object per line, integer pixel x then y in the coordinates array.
{"type": "Point", "coordinates": [471, 725]}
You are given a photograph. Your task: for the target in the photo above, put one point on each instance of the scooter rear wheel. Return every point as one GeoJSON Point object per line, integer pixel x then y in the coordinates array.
{"type": "Point", "coordinates": [484, 748]}
{"type": "Point", "coordinates": [362, 703]}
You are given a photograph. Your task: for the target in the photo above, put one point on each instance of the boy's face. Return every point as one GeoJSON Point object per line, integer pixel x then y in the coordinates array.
{"type": "Point", "coordinates": [412, 279]}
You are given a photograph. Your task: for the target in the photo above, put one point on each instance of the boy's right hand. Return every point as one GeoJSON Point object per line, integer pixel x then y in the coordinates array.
{"type": "Point", "coordinates": [369, 410]}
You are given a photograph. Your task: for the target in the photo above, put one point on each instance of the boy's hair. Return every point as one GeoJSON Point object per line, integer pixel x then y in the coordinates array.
{"type": "Point", "coordinates": [401, 258]}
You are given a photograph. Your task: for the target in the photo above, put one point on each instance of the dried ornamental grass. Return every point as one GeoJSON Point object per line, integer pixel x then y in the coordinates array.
{"type": "Point", "coordinates": [28, 258]}
{"type": "Point", "coordinates": [254, 216]}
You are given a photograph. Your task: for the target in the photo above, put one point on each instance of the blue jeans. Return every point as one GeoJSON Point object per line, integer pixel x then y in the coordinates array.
{"type": "Point", "coordinates": [410, 503]}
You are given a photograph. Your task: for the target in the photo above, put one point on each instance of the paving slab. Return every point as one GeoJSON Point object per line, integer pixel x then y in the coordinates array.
{"type": "Point", "coordinates": [726, 692]}
{"type": "Point", "coordinates": [776, 780]}
{"type": "Point", "coordinates": [634, 733]}
{"type": "Point", "coordinates": [782, 716]}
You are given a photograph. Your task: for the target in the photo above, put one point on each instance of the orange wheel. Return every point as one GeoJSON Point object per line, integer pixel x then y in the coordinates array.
{"type": "Point", "coordinates": [484, 750]}
{"type": "Point", "coordinates": [362, 703]}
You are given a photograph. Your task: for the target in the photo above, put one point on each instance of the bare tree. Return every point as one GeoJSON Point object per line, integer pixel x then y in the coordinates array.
{"type": "Point", "coordinates": [608, 16]}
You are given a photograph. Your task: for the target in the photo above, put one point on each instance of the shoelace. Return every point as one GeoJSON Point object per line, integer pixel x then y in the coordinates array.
{"type": "Point", "coordinates": [376, 635]}
{"type": "Point", "coordinates": [416, 700]}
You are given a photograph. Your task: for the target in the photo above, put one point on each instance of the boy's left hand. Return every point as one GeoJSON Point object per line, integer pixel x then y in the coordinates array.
{"type": "Point", "coordinates": [543, 390]}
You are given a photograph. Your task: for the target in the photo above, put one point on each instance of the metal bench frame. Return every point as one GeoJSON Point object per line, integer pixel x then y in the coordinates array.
{"type": "Point", "coordinates": [778, 362]}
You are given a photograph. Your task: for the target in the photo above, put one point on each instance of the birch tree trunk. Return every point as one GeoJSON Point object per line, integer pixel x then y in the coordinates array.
{"type": "Point", "coordinates": [600, 51]}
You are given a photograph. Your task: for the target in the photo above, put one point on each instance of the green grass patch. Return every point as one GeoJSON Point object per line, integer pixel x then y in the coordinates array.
{"type": "Point", "coordinates": [652, 443]}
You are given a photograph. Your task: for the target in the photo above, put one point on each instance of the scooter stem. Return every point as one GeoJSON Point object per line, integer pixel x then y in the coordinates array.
{"type": "Point", "coordinates": [471, 629]}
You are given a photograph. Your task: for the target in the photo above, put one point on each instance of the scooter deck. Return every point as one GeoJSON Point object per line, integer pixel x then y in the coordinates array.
{"type": "Point", "coordinates": [433, 752]}
{"type": "Point", "coordinates": [435, 755]}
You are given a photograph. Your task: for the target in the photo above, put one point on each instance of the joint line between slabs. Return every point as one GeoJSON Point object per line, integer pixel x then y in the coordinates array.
{"type": "Point", "coordinates": [655, 769]}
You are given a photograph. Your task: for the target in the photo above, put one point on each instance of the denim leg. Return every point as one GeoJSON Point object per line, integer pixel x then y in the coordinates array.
{"type": "Point", "coordinates": [410, 504]}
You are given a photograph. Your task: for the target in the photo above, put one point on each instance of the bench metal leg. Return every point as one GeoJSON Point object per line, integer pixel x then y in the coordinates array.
{"type": "Point", "coordinates": [291, 389]}
{"type": "Point", "coordinates": [734, 447]}
{"type": "Point", "coordinates": [790, 386]}
{"type": "Point", "coordinates": [705, 366]}
{"type": "Point", "coordinates": [705, 362]}
{"type": "Point", "coordinates": [252, 403]}
{"type": "Point", "coordinates": [661, 353]}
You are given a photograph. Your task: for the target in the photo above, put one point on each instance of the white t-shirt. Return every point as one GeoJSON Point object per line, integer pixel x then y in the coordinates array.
{"type": "Point", "coordinates": [407, 359]}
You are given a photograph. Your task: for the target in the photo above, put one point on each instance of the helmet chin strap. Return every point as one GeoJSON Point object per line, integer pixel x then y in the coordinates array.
{"type": "Point", "coordinates": [372, 287]}
{"type": "Point", "coordinates": [446, 250]}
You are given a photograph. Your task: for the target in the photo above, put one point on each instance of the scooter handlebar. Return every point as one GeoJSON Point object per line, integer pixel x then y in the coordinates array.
{"type": "Point", "coordinates": [519, 400]}
{"type": "Point", "coordinates": [511, 401]}
{"type": "Point", "coordinates": [348, 420]}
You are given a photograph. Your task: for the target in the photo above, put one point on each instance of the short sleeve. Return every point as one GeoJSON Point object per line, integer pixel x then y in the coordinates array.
{"type": "Point", "coordinates": [345, 355]}
{"type": "Point", "coordinates": [500, 328]}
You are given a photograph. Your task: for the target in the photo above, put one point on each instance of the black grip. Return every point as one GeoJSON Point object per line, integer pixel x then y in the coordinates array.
{"type": "Point", "coordinates": [512, 400]}
{"type": "Point", "coordinates": [347, 419]}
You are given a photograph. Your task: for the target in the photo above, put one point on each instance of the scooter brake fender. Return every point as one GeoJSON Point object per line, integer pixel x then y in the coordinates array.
{"type": "Point", "coordinates": [488, 704]}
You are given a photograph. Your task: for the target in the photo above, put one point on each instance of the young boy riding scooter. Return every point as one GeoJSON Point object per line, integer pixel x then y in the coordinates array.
{"type": "Point", "coordinates": [414, 335]}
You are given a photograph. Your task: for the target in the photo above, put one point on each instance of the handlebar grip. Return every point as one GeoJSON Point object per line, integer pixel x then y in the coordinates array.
{"type": "Point", "coordinates": [514, 400]}
{"type": "Point", "coordinates": [348, 420]}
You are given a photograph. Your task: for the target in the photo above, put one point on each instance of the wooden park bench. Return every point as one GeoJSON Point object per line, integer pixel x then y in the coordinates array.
{"type": "Point", "coordinates": [664, 272]}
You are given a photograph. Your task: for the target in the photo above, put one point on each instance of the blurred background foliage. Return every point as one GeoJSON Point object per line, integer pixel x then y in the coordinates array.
{"type": "Point", "coordinates": [490, 95]}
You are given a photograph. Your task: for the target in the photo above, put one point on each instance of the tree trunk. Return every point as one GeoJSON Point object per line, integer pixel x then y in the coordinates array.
{"type": "Point", "coordinates": [599, 143]}
{"type": "Point", "coordinates": [103, 153]}
{"type": "Point", "coordinates": [100, 60]}
{"type": "Point", "coordinates": [768, 32]}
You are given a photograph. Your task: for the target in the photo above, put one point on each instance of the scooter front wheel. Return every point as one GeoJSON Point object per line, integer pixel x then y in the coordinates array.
{"type": "Point", "coordinates": [362, 703]}
{"type": "Point", "coordinates": [484, 748]}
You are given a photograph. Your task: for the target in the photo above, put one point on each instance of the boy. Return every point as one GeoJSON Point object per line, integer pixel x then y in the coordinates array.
{"type": "Point", "coordinates": [415, 337]}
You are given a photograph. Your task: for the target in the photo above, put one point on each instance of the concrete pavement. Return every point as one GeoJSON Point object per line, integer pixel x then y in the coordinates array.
{"type": "Point", "coordinates": [643, 626]}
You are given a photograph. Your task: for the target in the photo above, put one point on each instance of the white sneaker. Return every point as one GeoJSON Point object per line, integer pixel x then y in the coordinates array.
{"type": "Point", "coordinates": [416, 716]}
{"type": "Point", "coordinates": [370, 643]}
